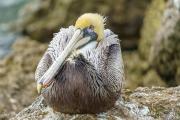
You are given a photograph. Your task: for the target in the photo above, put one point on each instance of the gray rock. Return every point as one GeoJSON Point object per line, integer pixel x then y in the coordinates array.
{"type": "Point", "coordinates": [142, 104]}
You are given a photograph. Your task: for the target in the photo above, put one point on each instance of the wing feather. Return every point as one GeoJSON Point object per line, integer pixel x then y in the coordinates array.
{"type": "Point", "coordinates": [54, 49]}
{"type": "Point", "coordinates": [108, 62]}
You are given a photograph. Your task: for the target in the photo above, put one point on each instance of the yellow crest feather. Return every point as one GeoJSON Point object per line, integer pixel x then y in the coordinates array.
{"type": "Point", "coordinates": [94, 19]}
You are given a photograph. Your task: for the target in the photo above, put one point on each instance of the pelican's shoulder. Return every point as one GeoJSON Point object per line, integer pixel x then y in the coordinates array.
{"type": "Point", "coordinates": [59, 41]}
{"type": "Point", "coordinates": [110, 38]}
{"type": "Point", "coordinates": [63, 35]}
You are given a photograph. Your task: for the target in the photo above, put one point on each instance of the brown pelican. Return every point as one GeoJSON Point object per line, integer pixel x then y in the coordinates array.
{"type": "Point", "coordinates": [82, 69]}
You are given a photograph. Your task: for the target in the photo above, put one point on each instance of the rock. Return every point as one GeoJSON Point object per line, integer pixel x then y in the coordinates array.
{"type": "Point", "coordinates": [151, 78]}
{"type": "Point", "coordinates": [142, 104]}
{"type": "Point", "coordinates": [152, 22]}
{"type": "Point", "coordinates": [138, 72]}
{"type": "Point", "coordinates": [165, 57]}
{"type": "Point", "coordinates": [162, 102]}
{"type": "Point", "coordinates": [160, 40]}
{"type": "Point", "coordinates": [137, 64]}
{"type": "Point", "coordinates": [17, 86]}
{"type": "Point", "coordinates": [42, 18]}
{"type": "Point", "coordinates": [39, 110]}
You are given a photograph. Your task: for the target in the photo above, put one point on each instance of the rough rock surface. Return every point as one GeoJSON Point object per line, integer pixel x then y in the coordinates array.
{"type": "Point", "coordinates": [17, 86]}
{"type": "Point", "coordinates": [160, 40]}
{"type": "Point", "coordinates": [42, 18]}
{"type": "Point", "coordinates": [141, 104]}
{"type": "Point", "coordinates": [138, 72]}
{"type": "Point", "coordinates": [138, 69]}
{"type": "Point", "coordinates": [165, 50]}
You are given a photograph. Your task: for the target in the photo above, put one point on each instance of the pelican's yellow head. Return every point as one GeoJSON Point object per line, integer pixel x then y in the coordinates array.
{"type": "Point", "coordinates": [92, 20]}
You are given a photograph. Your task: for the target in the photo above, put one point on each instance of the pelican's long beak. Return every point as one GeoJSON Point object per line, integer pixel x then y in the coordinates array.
{"type": "Point", "coordinates": [77, 40]}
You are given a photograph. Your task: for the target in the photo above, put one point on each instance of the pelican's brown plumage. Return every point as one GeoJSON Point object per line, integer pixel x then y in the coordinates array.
{"type": "Point", "coordinates": [88, 79]}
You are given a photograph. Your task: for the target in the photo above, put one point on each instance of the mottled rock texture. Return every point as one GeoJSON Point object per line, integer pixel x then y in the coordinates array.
{"type": "Point", "coordinates": [152, 22]}
{"type": "Point", "coordinates": [139, 73]}
{"type": "Point", "coordinates": [137, 65]}
{"type": "Point", "coordinates": [165, 50]}
{"type": "Point", "coordinates": [44, 17]}
{"type": "Point", "coordinates": [156, 65]}
{"type": "Point", "coordinates": [17, 85]}
{"type": "Point", "coordinates": [141, 104]}
{"type": "Point", "coordinates": [160, 40]}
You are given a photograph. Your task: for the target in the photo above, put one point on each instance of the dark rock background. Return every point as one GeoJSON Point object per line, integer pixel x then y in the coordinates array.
{"type": "Point", "coordinates": [149, 31]}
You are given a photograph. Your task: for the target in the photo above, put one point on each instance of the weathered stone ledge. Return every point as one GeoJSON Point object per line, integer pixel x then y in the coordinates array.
{"type": "Point", "coordinates": [143, 103]}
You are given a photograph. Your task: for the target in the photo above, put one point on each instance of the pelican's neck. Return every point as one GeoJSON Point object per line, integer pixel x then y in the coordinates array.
{"type": "Point", "coordinates": [89, 46]}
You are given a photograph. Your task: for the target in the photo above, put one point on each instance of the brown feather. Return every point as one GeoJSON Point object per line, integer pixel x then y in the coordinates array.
{"type": "Point", "coordinates": [88, 82]}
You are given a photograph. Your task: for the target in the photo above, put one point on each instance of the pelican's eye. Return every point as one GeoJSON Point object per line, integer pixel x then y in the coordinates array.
{"type": "Point", "coordinates": [89, 31]}
{"type": "Point", "coordinates": [91, 27]}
